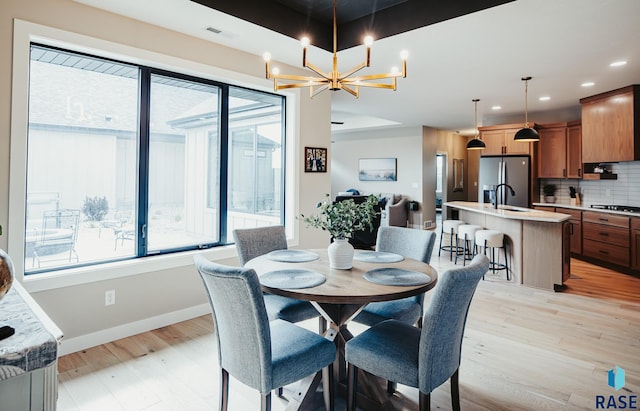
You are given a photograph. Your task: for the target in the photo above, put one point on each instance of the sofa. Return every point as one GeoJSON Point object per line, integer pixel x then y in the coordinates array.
{"type": "Point", "coordinates": [394, 211]}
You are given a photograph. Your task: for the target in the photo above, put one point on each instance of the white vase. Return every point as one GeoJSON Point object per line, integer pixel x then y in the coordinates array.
{"type": "Point", "coordinates": [340, 254]}
{"type": "Point", "coordinates": [6, 273]}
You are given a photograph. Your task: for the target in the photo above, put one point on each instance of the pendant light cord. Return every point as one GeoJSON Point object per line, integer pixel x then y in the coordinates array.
{"type": "Point", "coordinates": [476, 119]}
{"type": "Point", "coordinates": [526, 102]}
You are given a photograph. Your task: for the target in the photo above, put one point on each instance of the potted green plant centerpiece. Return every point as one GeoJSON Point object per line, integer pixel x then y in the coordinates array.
{"type": "Point", "coordinates": [341, 219]}
{"type": "Point", "coordinates": [549, 191]}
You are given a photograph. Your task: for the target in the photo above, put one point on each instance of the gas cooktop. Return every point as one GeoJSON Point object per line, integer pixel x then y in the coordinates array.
{"type": "Point", "coordinates": [627, 209]}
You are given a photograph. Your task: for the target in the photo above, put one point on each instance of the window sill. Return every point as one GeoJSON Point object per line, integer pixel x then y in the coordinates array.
{"type": "Point", "coordinates": [109, 271]}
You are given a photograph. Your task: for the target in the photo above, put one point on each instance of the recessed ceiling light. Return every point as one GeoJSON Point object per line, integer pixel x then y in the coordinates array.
{"type": "Point", "coordinates": [618, 63]}
{"type": "Point", "coordinates": [588, 84]}
{"type": "Point", "coordinates": [544, 98]}
{"type": "Point", "coordinates": [496, 107]}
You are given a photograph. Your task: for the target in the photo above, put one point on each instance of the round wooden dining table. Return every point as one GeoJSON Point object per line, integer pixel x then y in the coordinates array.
{"type": "Point", "coordinates": [340, 298]}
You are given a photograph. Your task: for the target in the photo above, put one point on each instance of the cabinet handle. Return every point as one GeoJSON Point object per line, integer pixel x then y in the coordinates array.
{"type": "Point", "coordinates": [571, 229]}
{"type": "Point", "coordinates": [603, 219]}
{"type": "Point", "coordinates": [603, 252]}
{"type": "Point", "coordinates": [579, 172]}
{"type": "Point", "coordinates": [564, 172]}
{"type": "Point", "coordinates": [605, 234]}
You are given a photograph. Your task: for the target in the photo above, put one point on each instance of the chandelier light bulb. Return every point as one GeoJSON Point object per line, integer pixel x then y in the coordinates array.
{"type": "Point", "coordinates": [404, 54]}
{"type": "Point", "coordinates": [394, 69]}
{"type": "Point", "coordinates": [305, 41]}
{"type": "Point", "coordinates": [275, 71]}
{"type": "Point", "coordinates": [266, 56]}
{"type": "Point", "coordinates": [368, 41]}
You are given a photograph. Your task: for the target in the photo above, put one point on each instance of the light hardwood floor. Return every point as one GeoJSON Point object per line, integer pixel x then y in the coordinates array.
{"type": "Point", "coordinates": [524, 349]}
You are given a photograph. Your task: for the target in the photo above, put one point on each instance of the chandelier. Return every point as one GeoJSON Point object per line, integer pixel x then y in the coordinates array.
{"type": "Point", "coordinates": [335, 80]}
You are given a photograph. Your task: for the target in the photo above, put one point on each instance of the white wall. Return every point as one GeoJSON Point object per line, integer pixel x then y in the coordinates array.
{"type": "Point", "coordinates": [404, 144]}
{"type": "Point", "coordinates": [415, 151]}
{"type": "Point", "coordinates": [170, 289]}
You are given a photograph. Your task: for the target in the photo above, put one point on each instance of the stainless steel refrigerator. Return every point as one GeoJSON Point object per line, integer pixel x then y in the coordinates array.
{"type": "Point", "coordinates": [514, 170]}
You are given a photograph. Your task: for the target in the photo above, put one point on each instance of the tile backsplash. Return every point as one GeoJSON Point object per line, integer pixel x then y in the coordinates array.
{"type": "Point", "coordinates": [623, 191]}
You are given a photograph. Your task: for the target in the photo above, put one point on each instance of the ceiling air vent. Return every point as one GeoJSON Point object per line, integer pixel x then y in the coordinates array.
{"type": "Point", "coordinates": [214, 30]}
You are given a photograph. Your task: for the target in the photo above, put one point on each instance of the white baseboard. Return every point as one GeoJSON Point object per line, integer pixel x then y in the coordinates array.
{"type": "Point", "coordinates": [71, 345]}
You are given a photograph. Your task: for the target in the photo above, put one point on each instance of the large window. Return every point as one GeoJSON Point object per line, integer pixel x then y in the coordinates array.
{"type": "Point", "coordinates": [126, 161]}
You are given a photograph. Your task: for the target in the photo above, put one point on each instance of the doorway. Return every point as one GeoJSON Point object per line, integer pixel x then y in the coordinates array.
{"type": "Point", "coordinates": [441, 182]}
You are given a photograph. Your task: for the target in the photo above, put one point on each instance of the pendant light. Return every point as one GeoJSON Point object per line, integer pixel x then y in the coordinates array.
{"type": "Point", "coordinates": [476, 143]}
{"type": "Point", "coordinates": [527, 134]}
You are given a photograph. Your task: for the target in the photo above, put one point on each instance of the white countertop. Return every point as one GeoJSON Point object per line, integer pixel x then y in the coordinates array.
{"type": "Point", "coordinates": [582, 207]}
{"type": "Point", "coordinates": [510, 212]}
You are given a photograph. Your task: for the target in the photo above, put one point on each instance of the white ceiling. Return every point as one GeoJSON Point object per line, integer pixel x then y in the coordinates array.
{"type": "Point", "coordinates": [560, 43]}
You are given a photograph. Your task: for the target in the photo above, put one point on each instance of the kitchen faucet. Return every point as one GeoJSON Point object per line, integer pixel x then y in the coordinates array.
{"type": "Point", "coordinates": [495, 197]}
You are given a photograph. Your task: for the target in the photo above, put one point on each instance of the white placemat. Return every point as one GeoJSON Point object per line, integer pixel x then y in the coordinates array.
{"type": "Point", "coordinates": [396, 276]}
{"type": "Point", "coordinates": [292, 256]}
{"type": "Point", "coordinates": [377, 257]}
{"type": "Point", "coordinates": [292, 278]}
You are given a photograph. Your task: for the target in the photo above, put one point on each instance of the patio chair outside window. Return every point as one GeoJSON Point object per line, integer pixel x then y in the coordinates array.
{"type": "Point", "coordinates": [58, 236]}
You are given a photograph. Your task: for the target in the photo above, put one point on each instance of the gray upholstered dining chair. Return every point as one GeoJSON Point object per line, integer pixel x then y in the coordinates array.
{"type": "Point", "coordinates": [410, 243]}
{"type": "Point", "coordinates": [261, 354]}
{"type": "Point", "coordinates": [254, 242]}
{"type": "Point", "coordinates": [422, 358]}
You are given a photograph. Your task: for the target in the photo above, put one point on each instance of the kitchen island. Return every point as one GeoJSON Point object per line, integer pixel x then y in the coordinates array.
{"type": "Point", "coordinates": [537, 241]}
{"type": "Point", "coordinates": [28, 358]}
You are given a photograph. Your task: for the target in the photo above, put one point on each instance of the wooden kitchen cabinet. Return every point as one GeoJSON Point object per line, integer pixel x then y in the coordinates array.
{"type": "Point", "coordinates": [567, 234]}
{"type": "Point", "coordinates": [574, 151]}
{"type": "Point", "coordinates": [494, 142]}
{"type": "Point", "coordinates": [606, 237]}
{"type": "Point", "coordinates": [499, 140]}
{"type": "Point", "coordinates": [635, 243]}
{"type": "Point", "coordinates": [560, 151]}
{"type": "Point", "coordinates": [611, 126]}
{"type": "Point", "coordinates": [575, 223]}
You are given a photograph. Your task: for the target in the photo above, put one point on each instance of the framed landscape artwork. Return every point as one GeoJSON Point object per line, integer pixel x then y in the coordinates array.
{"type": "Point", "coordinates": [315, 160]}
{"type": "Point", "coordinates": [378, 169]}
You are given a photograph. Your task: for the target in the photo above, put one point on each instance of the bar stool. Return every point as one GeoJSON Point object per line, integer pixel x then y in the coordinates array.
{"type": "Point", "coordinates": [450, 227]}
{"type": "Point", "coordinates": [493, 239]}
{"type": "Point", "coordinates": [467, 233]}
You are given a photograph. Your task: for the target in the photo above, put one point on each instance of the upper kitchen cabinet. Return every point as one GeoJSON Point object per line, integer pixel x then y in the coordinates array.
{"type": "Point", "coordinates": [611, 126]}
{"type": "Point", "coordinates": [499, 140]}
{"type": "Point", "coordinates": [560, 150]}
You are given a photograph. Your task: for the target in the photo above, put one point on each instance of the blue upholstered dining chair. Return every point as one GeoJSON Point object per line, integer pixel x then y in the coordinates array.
{"type": "Point", "coordinates": [422, 358]}
{"type": "Point", "coordinates": [254, 242]}
{"type": "Point", "coordinates": [410, 243]}
{"type": "Point", "coordinates": [261, 354]}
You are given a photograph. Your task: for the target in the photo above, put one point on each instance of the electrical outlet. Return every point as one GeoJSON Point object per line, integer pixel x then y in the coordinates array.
{"type": "Point", "coordinates": [110, 297]}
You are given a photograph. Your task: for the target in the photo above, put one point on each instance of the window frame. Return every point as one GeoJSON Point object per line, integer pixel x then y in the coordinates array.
{"type": "Point", "coordinates": [26, 33]}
